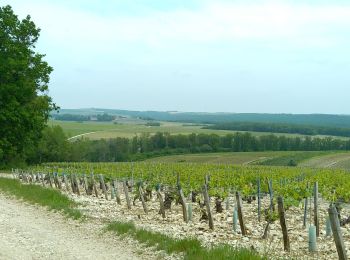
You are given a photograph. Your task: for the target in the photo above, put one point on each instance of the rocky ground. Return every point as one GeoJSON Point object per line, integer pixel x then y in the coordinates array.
{"type": "Point", "coordinates": [173, 225]}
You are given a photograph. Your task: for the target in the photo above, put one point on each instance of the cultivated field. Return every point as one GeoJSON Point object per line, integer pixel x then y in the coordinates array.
{"type": "Point", "coordinates": [243, 158]}
{"type": "Point", "coordinates": [130, 128]}
{"type": "Point", "coordinates": [243, 206]}
{"type": "Point", "coordinates": [338, 160]}
{"type": "Point", "coordinates": [282, 158]}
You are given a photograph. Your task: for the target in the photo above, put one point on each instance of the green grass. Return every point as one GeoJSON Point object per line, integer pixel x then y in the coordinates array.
{"type": "Point", "coordinates": [35, 194]}
{"type": "Point", "coordinates": [296, 157]}
{"type": "Point", "coordinates": [190, 247]}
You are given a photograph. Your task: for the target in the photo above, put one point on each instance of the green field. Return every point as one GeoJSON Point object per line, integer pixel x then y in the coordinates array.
{"type": "Point", "coordinates": [306, 159]}
{"type": "Point", "coordinates": [99, 130]}
{"type": "Point", "coordinates": [338, 160]}
{"type": "Point", "coordinates": [241, 158]}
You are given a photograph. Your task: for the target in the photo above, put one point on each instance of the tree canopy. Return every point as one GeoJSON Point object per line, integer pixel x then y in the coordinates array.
{"type": "Point", "coordinates": [24, 77]}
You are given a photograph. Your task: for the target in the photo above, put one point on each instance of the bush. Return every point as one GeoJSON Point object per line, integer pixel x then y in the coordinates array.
{"type": "Point", "coordinates": [292, 163]}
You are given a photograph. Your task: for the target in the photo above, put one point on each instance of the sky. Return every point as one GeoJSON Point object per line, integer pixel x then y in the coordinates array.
{"type": "Point", "coordinates": [196, 55]}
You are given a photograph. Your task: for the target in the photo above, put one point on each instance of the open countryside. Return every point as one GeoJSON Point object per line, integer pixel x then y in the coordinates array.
{"type": "Point", "coordinates": [192, 130]}
{"type": "Point", "coordinates": [130, 128]}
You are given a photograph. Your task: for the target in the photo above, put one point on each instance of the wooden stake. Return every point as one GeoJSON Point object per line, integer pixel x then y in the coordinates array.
{"type": "Point", "coordinates": [103, 186]}
{"type": "Point", "coordinates": [316, 220]}
{"type": "Point", "coordinates": [112, 191]}
{"type": "Point", "coordinates": [207, 204]}
{"type": "Point", "coordinates": [57, 181]}
{"type": "Point", "coordinates": [65, 182]}
{"type": "Point", "coordinates": [259, 201]}
{"type": "Point", "coordinates": [161, 203]}
{"type": "Point", "coordinates": [117, 195]}
{"type": "Point", "coordinates": [143, 200]}
{"type": "Point", "coordinates": [240, 214]}
{"type": "Point", "coordinates": [72, 183]}
{"type": "Point", "coordinates": [76, 184]}
{"type": "Point", "coordinates": [86, 184]}
{"type": "Point", "coordinates": [94, 184]}
{"type": "Point", "coordinates": [42, 179]}
{"type": "Point", "coordinates": [126, 194]}
{"type": "Point", "coordinates": [50, 181]}
{"type": "Point", "coordinates": [338, 238]}
{"type": "Point", "coordinates": [281, 214]}
{"type": "Point", "coordinates": [272, 208]}
{"type": "Point", "coordinates": [305, 212]}
{"type": "Point", "coordinates": [184, 205]}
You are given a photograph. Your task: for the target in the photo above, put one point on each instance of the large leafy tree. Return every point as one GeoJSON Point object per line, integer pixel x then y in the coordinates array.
{"type": "Point", "coordinates": [24, 77]}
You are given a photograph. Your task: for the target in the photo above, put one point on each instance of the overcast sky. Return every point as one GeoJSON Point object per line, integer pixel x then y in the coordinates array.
{"type": "Point", "coordinates": [196, 55]}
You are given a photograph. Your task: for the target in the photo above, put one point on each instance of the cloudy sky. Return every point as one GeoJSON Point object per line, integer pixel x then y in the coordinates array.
{"type": "Point", "coordinates": [196, 55]}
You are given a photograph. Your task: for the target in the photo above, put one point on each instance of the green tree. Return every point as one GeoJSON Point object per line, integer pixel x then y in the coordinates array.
{"type": "Point", "coordinates": [53, 146]}
{"type": "Point", "coordinates": [24, 77]}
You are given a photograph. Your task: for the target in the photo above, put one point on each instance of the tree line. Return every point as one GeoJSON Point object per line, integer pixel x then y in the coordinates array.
{"type": "Point", "coordinates": [80, 118]}
{"type": "Point", "coordinates": [54, 146]}
{"type": "Point", "coordinates": [282, 128]}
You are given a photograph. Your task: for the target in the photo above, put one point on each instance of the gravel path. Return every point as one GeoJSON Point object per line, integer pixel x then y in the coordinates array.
{"type": "Point", "coordinates": [30, 232]}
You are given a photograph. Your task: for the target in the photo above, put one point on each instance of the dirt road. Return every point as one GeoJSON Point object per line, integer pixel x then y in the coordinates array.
{"type": "Point", "coordinates": [30, 232]}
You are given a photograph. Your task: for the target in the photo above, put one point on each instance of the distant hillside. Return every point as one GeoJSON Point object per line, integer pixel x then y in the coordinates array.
{"type": "Point", "coordinates": [212, 118]}
{"type": "Point", "coordinates": [281, 128]}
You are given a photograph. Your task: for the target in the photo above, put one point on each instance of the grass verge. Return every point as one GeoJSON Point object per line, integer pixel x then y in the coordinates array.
{"type": "Point", "coordinates": [190, 247]}
{"type": "Point", "coordinates": [35, 194]}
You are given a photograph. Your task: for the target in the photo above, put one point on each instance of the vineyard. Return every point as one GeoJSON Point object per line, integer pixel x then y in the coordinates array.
{"type": "Point", "coordinates": [277, 211]}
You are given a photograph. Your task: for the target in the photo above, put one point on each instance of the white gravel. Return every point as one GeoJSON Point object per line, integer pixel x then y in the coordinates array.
{"type": "Point", "coordinates": [31, 232]}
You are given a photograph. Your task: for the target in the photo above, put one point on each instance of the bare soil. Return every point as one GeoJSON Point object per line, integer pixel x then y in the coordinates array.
{"type": "Point", "coordinates": [31, 232]}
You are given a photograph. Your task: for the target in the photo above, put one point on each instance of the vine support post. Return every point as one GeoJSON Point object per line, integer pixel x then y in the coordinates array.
{"type": "Point", "coordinates": [337, 235]}
{"type": "Point", "coordinates": [103, 186]}
{"type": "Point", "coordinates": [259, 201]}
{"type": "Point", "coordinates": [272, 208]}
{"type": "Point", "coordinates": [59, 182]}
{"type": "Point", "coordinates": [50, 180]}
{"type": "Point", "coordinates": [65, 180]}
{"type": "Point", "coordinates": [42, 179]}
{"type": "Point", "coordinates": [240, 213]}
{"type": "Point", "coordinates": [305, 212]}
{"type": "Point", "coordinates": [207, 204]}
{"type": "Point", "coordinates": [76, 184]}
{"type": "Point", "coordinates": [112, 190]}
{"type": "Point", "coordinates": [282, 217]}
{"type": "Point", "coordinates": [71, 182]}
{"type": "Point", "coordinates": [161, 203]}
{"type": "Point", "coordinates": [126, 192]}
{"type": "Point", "coordinates": [183, 204]}
{"type": "Point", "coordinates": [143, 200]}
{"type": "Point", "coordinates": [117, 195]}
{"type": "Point", "coordinates": [316, 220]}
{"type": "Point", "coordinates": [86, 185]}
{"type": "Point", "coordinates": [94, 184]}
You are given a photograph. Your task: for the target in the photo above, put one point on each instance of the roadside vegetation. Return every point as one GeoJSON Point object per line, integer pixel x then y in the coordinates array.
{"type": "Point", "coordinates": [191, 248]}
{"type": "Point", "coordinates": [46, 197]}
